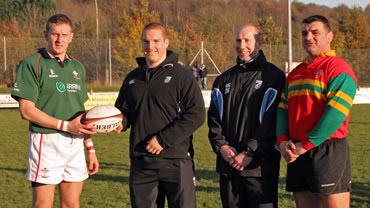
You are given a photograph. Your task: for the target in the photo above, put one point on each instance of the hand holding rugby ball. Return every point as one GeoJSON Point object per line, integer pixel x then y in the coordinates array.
{"type": "Point", "coordinates": [104, 118]}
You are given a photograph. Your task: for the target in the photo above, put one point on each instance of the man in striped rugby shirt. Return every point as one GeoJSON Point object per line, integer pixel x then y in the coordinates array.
{"type": "Point", "coordinates": [312, 121]}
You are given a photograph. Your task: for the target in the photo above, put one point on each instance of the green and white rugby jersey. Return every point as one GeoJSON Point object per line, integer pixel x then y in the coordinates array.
{"type": "Point", "coordinates": [56, 90]}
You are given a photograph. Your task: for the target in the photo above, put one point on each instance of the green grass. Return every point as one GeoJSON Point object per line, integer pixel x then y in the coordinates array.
{"type": "Point", "coordinates": [109, 188]}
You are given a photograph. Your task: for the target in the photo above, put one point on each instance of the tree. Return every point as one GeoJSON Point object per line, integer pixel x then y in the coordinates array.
{"type": "Point", "coordinates": [11, 28]}
{"type": "Point", "coordinates": [353, 24]}
{"type": "Point", "coordinates": [272, 34]}
{"type": "Point", "coordinates": [132, 22]}
{"type": "Point", "coordinates": [30, 13]}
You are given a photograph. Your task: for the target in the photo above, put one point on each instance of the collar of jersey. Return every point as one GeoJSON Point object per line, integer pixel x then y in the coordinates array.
{"type": "Point", "coordinates": [326, 54]}
{"type": "Point", "coordinates": [52, 56]}
{"type": "Point", "coordinates": [48, 55]}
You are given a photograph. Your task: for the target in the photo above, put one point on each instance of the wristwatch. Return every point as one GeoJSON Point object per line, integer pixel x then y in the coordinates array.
{"type": "Point", "coordinates": [249, 152]}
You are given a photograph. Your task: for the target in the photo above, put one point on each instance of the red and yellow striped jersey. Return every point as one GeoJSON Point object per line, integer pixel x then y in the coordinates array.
{"type": "Point", "coordinates": [316, 101]}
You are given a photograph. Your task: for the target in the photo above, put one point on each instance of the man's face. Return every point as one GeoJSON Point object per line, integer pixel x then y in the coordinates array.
{"type": "Point", "coordinates": [58, 37]}
{"type": "Point", "coordinates": [245, 43]}
{"type": "Point", "coordinates": [154, 47]}
{"type": "Point", "coordinates": [316, 38]}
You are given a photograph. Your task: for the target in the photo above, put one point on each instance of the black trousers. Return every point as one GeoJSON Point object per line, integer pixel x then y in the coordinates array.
{"type": "Point", "coordinates": [248, 192]}
{"type": "Point", "coordinates": [175, 180]}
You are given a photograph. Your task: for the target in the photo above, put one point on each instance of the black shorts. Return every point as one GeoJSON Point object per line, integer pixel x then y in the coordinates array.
{"type": "Point", "coordinates": [324, 169]}
{"type": "Point", "coordinates": [240, 192]}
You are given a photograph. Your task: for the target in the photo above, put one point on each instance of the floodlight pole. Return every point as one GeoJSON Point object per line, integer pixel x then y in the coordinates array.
{"type": "Point", "coordinates": [110, 62]}
{"type": "Point", "coordinates": [290, 58]}
{"type": "Point", "coordinates": [97, 21]}
{"type": "Point", "coordinates": [4, 60]}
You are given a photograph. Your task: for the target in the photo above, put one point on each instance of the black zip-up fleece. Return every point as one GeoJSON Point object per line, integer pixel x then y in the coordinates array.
{"type": "Point", "coordinates": [243, 87]}
{"type": "Point", "coordinates": [150, 100]}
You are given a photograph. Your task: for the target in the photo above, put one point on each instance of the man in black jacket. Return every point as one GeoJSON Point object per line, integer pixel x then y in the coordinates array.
{"type": "Point", "coordinates": [241, 121]}
{"type": "Point", "coordinates": [150, 99]}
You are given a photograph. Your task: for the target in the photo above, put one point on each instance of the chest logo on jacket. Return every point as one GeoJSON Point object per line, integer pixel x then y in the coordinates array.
{"type": "Point", "coordinates": [258, 84]}
{"type": "Point", "coordinates": [131, 82]}
{"type": "Point", "coordinates": [167, 79]}
{"type": "Point", "coordinates": [227, 88]}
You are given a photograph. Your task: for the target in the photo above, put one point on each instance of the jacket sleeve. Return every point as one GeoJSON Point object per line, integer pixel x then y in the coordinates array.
{"type": "Point", "coordinates": [121, 104]}
{"type": "Point", "coordinates": [193, 114]}
{"type": "Point", "coordinates": [265, 136]}
{"type": "Point", "coordinates": [215, 134]}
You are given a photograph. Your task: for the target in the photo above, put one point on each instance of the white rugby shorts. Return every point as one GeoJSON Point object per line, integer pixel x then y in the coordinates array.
{"type": "Point", "coordinates": [56, 157]}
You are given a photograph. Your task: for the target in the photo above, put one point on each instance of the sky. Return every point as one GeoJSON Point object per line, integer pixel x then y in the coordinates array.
{"type": "Point", "coordinates": [334, 3]}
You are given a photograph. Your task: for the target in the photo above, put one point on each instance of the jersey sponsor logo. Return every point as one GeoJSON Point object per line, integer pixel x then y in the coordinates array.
{"type": "Point", "coordinates": [227, 88]}
{"type": "Point", "coordinates": [61, 87]}
{"type": "Point", "coordinates": [131, 82]}
{"type": "Point", "coordinates": [52, 74]}
{"type": "Point", "coordinates": [71, 87]}
{"type": "Point", "coordinates": [258, 84]}
{"type": "Point", "coordinates": [167, 79]}
{"type": "Point", "coordinates": [75, 75]}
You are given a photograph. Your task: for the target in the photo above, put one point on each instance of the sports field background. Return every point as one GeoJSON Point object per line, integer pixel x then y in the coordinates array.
{"type": "Point", "coordinates": [109, 188]}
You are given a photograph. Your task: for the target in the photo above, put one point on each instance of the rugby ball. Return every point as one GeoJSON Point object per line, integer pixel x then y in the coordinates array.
{"type": "Point", "coordinates": [104, 118]}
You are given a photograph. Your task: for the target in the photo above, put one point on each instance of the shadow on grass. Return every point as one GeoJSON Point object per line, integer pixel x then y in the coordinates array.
{"type": "Point", "coordinates": [20, 170]}
{"type": "Point", "coordinates": [206, 175]}
{"type": "Point", "coordinates": [207, 189]}
{"type": "Point", "coordinates": [118, 179]}
{"type": "Point", "coordinates": [360, 193]}
{"type": "Point", "coordinates": [358, 122]}
{"type": "Point", "coordinates": [118, 169]}
{"type": "Point", "coordinates": [118, 166]}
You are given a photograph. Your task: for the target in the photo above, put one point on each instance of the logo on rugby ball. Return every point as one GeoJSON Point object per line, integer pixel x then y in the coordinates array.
{"type": "Point", "coordinates": [104, 118]}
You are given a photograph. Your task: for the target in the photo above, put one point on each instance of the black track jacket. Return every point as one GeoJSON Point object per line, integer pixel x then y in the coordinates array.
{"type": "Point", "coordinates": [243, 87]}
{"type": "Point", "coordinates": [150, 100]}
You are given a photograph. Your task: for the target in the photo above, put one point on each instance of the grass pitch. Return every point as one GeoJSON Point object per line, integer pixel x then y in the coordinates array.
{"type": "Point", "coordinates": [109, 188]}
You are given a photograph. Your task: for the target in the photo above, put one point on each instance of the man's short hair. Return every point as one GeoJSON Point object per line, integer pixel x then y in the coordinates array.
{"type": "Point", "coordinates": [155, 25]}
{"type": "Point", "coordinates": [58, 19]}
{"type": "Point", "coordinates": [319, 18]}
{"type": "Point", "coordinates": [257, 36]}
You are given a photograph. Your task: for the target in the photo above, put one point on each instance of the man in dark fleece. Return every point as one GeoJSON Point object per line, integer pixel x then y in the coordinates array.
{"type": "Point", "coordinates": [150, 99]}
{"type": "Point", "coordinates": [242, 131]}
